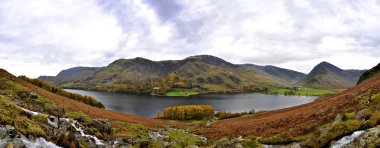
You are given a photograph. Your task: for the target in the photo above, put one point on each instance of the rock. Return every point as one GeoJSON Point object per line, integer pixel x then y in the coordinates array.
{"type": "Point", "coordinates": [291, 145]}
{"type": "Point", "coordinates": [359, 113]}
{"type": "Point", "coordinates": [168, 145]}
{"type": "Point", "coordinates": [337, 119]}
{"type": "Point", "coordinates": [193, 146]}
{"type": "Point", "coordinates": [15, 143]}
{"type": "Point", "coordinates": [122, 142]}
{"type": "Point", "coordinates": [33, 95]}
{"type": "Point", "coordinates": [53, 121]}
{"type": "Point", "coordinates": [231, 143]}
{"type": "Point", "coordinates": [367, 139]}
{"type": "Point", "coordinates": [68, 139]}
{"type": "Point", "coordinates": [158, 136]}
{"type": "Point", "coordinates": [11, 131]}
{"type": "Point", "coordinates": [3, 132]}
{"type": "Point", "coordinates": [145, 144]}
{"type": "Point", "coordinates": [102, 125]}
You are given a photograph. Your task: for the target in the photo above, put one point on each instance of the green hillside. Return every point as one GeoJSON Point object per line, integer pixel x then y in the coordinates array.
{"type": "Point", "coordinates": [328, 76]}
{"type": "Point", "coordinates": [202, 73]}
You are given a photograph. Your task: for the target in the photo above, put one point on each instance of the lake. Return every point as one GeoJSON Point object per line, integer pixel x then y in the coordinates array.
{"type": "Point", "coordinates": [148, 106]}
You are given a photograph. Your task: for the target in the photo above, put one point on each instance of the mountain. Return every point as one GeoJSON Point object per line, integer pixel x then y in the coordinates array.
{"type": "Point", "coordinates": [368, 74]}
{"type": "Point", "coordinates": [208, 72]}
{"type": "Point", "coordinates": [285, 75]}
{"type": "Point", "coordinates": [326, 75]}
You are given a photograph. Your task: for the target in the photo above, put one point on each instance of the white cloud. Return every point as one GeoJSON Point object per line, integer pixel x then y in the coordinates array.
{"type": "Point", "coordinates": [297, 34]}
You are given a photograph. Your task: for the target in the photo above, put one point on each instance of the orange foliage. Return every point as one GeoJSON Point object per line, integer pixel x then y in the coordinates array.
{"type": "Point", "coordinates": [189, 112]}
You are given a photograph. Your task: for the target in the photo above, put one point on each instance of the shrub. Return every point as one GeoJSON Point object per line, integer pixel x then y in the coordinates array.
{"type": "Point", "coordinates": [189, 112]}
{"type": "Point", "coordinates": [228, 115]}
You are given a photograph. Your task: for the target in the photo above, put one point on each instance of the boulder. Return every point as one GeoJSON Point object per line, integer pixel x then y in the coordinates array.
{"type": "Point", "coordinates": [145, 144]}
{"type": "Point", "coordinates": [15, 143]}
{"type": "Point", "coordinates": [11, 131]}
{"type": "Point", "coordinates": [368, 139]}
{"type": "Point", "coordinates": [124, 142]}
{"type": "Point", "coordinates": [337, 119]}
{"type": "Point", "coordinates": [158, 136]}
{"type": "Point", "coordinates": [3, 132]}
{"type": "Point", "coordinates": [103, 126]}
{"type": "Point", "coordinates": [231, 143]}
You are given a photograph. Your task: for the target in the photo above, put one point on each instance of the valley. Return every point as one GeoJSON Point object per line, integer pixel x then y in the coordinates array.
{"type": "Point", "coordinates": [203, 74]}
{"type": "Point", "coordinates": [313, 124]}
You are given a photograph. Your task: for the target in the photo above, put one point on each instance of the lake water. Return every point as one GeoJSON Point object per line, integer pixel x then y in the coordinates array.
{"type": "Point", "coordinates": [148, 106]}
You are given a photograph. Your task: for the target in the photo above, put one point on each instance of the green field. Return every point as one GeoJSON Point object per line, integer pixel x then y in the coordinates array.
{"type": "Point", "coordinates": [181, 93]}
{"type": "Point", "coordinates": [303, 92]}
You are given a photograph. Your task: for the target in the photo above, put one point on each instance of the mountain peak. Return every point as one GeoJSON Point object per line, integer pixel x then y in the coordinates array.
{"type": "Point", "coordinates": [326, 66]}
{"type": "Point", "coordinates": [213, 60]}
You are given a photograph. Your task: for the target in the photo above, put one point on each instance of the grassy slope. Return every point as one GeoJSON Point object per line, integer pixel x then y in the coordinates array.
{"type": "Point", "coordinates": [325, 81]}
{"type": "Point", "coordinates": [198, 69]}
{"type": "Point", "coordinates": [304, 92]}
{"type": "Point", "coordinates": [181, 93]}
{"type": "Point", "coordinates": [305, 119]}
{"type": "Point", "coordinates": [96, 112]}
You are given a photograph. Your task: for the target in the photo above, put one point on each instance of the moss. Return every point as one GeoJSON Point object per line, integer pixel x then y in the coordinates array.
{"type": "Point", "coordinates": [83, 143]}
{"type": "Point", "coordinates": [12, 115]}
{"type": "Point", "coordinates": [130, 130]}
{"type": "Point", "coordinates": [253, 143]}
{"type": "Point", "coordinates": [273, 140]}
{"type": "Point", "coordinates": [79, 116]}
{"type": "Point", "coordinates": [335, 131]}
{"type": "Point", "coordinates": [183, 138]}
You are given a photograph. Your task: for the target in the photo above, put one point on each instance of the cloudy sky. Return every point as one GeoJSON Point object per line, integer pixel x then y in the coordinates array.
{"type": "Point", "coordinates": [42, 37]}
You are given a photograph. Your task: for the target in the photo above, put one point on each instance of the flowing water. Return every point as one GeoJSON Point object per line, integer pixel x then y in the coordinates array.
{"type": "Point", "coordinates": [148, 106]}
{"type": "Point", "coordinates": [346, 140]}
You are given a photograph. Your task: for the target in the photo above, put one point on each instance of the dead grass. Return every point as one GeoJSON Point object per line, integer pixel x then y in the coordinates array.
{"type": "Point", "coordinates": [97, 112]}
{"type": "Point", "coordinates": [294, 121]}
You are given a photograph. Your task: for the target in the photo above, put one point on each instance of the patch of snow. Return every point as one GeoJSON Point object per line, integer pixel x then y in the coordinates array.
{"type": "Point", "coordinates": [346, 140]}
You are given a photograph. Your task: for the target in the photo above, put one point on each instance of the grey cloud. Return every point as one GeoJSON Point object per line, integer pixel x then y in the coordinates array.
{"type": "Point", "coordinates": [166, 9]}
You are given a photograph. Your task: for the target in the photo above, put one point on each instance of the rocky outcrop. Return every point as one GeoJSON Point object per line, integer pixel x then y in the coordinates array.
{"type": "Point", "coordinates": [10, 138]}
{"type": "Point", "coordinates": [231, 143]}
{"type": "Point", "coordinates": [368, 138]}
{"type": "Point", "coordinates": [103, 126]}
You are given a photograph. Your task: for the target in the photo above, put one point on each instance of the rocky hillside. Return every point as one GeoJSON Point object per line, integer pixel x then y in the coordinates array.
{"type": "Point", "coordinates": [368, 74]}
{"type": "Point", "coordinates": [32, 116]}
{"type": "Point", "coordinates": [204, 71]}
{"type": "Point", "coordinates": [326, 75]}
{"type": "Point", "coordinates": [285, 75]}
{"type": "Point", "coordinates": [351, 114]}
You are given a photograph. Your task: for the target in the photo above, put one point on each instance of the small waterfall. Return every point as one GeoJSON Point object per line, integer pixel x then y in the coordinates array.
{"type": "Point", "coordinates": [346, 140]}
{"type": "Point", "coordinates": [78, 127]}
{"type": "Point", "coordinates": [73, 122]}
{"type": "Point", "coordinates": [39, 143]}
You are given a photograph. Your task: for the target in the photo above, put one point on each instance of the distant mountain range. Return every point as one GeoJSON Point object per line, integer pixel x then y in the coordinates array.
{"type": "Point", "coordinates": [282, 74]}
{"type": "Point", "coordinates": [210, 72]}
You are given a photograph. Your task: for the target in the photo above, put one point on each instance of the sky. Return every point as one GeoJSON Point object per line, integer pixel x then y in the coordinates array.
{"type": "Point", "coordinates": [43, 37]}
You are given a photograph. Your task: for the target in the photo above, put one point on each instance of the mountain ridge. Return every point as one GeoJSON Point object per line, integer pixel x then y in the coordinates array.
{"type": "Point", "coordinates": [326, 75]}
